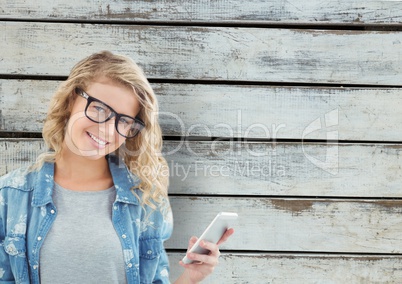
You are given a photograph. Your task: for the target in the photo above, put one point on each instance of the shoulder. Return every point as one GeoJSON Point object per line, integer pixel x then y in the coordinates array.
{"type": "Point", "coordinates": [157, 222]}
{"type": "Point", "coordinates": [120, 171]}
{"type": "Point", "coordinates": [15, 190]}
{"type": "Point", "coordinates": [155, 219]}
{"type": "Point", "coordinates": [20, 178]}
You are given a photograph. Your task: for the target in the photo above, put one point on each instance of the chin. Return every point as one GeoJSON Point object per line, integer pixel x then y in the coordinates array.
{"type": "Point", "coordinates": [95, 154]}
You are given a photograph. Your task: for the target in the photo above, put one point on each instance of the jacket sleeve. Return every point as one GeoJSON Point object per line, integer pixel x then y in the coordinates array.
{"type": "Point", "coordinates": [162, 270]}
{"type": "Point", "coordinates": [6, 275]}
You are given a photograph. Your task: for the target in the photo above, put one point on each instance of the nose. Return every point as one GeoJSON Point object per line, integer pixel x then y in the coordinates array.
{"type": "Point", "coordinates": [111, 125]}
{"type": "Point", "coordinates": [108, 127]}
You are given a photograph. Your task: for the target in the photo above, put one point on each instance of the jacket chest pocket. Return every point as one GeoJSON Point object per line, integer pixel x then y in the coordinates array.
{"type": "Point", "coordinates": [149, 252]}
{"type": "Point", "coordinates": [15, 247]}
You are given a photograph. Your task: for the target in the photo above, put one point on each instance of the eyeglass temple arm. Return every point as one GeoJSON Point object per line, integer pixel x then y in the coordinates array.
{"type": "Point", "coordinates": [82, 93]}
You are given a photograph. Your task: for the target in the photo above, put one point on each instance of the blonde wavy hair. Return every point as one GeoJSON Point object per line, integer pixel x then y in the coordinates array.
{"type": "Point", "coordinates": [141, 154]}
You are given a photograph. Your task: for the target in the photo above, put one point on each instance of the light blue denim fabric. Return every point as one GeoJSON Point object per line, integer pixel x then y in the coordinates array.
{"type": "Point", "coordinates": [27, 213]}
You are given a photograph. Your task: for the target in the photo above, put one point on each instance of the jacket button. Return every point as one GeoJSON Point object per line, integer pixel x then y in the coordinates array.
{"type": "Point", "coordinates": [149, 252]}
{"type": "Point", "coordinates": [52, 211]}
{"type": "Point", "coordinates": [123, 236]}
{"type": "Point", "coordinates": [39, 238]}
{"type": "Point", "coordinates": [11, 250]}
{"type": "Point", "coordinates": [129, 265]}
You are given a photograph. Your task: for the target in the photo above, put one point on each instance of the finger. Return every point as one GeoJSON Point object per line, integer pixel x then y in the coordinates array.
{"type": "Point", "coordinates": [200, 267]}
{"type": "Point", "coordinates": [225, 236]}
{"type": "Point", "coordinates": [213, 248]}
{"type": "Point", "coordinates": [191, 242]}
{"type": "Point", "coordinates": [203, 259]}
{"type": "Point", "coordinates": [190, 265]}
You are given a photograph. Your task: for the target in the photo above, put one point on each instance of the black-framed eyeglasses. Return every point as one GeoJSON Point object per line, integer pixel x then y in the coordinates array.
{"type": "Point", "coordinates": [99, 112]}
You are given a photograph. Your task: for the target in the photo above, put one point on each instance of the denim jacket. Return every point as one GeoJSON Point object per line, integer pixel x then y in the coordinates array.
{"type": "Point", "coordinates": [27, 212]}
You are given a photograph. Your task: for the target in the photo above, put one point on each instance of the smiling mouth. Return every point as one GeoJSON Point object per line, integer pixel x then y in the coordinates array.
{"type": "Point", "coordinates": [97, 140]}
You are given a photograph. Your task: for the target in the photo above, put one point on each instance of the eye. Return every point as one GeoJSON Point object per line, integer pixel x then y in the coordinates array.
{"type": "Point", "coordinates": [99, 108]}
{"type": "Point", "coordinates": [125, 121]}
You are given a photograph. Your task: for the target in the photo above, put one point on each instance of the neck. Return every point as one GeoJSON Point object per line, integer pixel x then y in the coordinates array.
{"type": "Point", "coordinates": [80, 169]}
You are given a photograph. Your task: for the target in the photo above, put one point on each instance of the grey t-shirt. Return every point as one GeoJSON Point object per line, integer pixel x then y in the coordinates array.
{"type": "Point", "coordinates": [82, 245]}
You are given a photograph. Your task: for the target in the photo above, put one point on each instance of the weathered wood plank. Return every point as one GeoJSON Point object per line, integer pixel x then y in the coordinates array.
{"type": "Point", "coordinates": [299, 169]}
{"type": "Point", "coordinates": [300, 268]}
{"type": "Point", "coordinates": [209, 53]}
{"type": "Point", "coordinates": [237, 111]}
{"type": "Point", "coordinates": [289, 224]}
{"type": "Point", "coordinates": [268, 169]}
{"type": "Point", "coordinates": [354, 225]}
{"type": "Point", "coordinates": [294, 225]}
{"type": "Point", "coordinates": [217, 11]}
{"type": "Point", "coordinates": [24, 104]}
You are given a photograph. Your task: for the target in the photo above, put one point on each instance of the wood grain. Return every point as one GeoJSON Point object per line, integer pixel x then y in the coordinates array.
{"type": "Point", "coordinates": [262, 169]}
{"type": "Point", "coordinates": [299, 169]}
{"type": "Point", "coordinates": [202, 110]}
{"type": "Point", "coordinates": [294, 224]}
{"type": "Point", "coordinates": [299, 268]}
{"type": "Point", "coordinates": [209, 53]}
{"type": "Point", "coordinates": [310, 212]}
{"type": "Point", "coordinates": [313, 12]}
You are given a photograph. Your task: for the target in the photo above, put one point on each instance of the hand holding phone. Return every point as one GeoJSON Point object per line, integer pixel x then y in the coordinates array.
{"type": "Point", "coordinates": [212, 233]}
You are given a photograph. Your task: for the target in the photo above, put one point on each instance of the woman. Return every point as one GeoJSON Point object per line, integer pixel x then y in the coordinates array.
{"type": "Point", "coordinates": [89, 211]}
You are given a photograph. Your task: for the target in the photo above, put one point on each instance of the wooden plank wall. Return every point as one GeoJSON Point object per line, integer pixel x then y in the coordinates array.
{"type": "Point", "coordinates": [291, 109]}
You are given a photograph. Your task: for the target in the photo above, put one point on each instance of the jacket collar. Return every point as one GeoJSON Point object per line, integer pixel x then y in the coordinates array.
{"type": "Point", "coordinates": [43, 185]}
{"type": "Point", "coordinates": [123, 180]}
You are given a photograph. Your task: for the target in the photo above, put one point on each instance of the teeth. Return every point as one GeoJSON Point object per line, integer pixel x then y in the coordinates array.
{"type": "Point", "coordinates": [100, 142]}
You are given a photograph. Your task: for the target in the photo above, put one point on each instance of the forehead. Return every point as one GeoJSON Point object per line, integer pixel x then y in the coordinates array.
{"type": "Point", "coordinates": [121, 98]}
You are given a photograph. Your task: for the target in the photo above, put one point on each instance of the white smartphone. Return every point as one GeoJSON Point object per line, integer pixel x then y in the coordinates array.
{"type": "Point", "coordinates": [212, 233]}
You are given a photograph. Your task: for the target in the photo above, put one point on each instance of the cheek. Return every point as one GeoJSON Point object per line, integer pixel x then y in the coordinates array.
{"type": "Point", "coordinates": [119, 140]}
{"type": "Point", "coordinates": [77, 118]}
{"type": "Point", "coordinates": [118, 145]}
{"type": "Point", "coordinates": [76, 123]}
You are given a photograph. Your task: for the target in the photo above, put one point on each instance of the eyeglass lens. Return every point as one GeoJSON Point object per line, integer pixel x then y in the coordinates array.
{"type": "Point", "coordinates": [99, 112]}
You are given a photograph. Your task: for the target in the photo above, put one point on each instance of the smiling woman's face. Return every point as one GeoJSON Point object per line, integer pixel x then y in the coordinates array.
{"type": "Point", "coordinates": [95, 140]}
